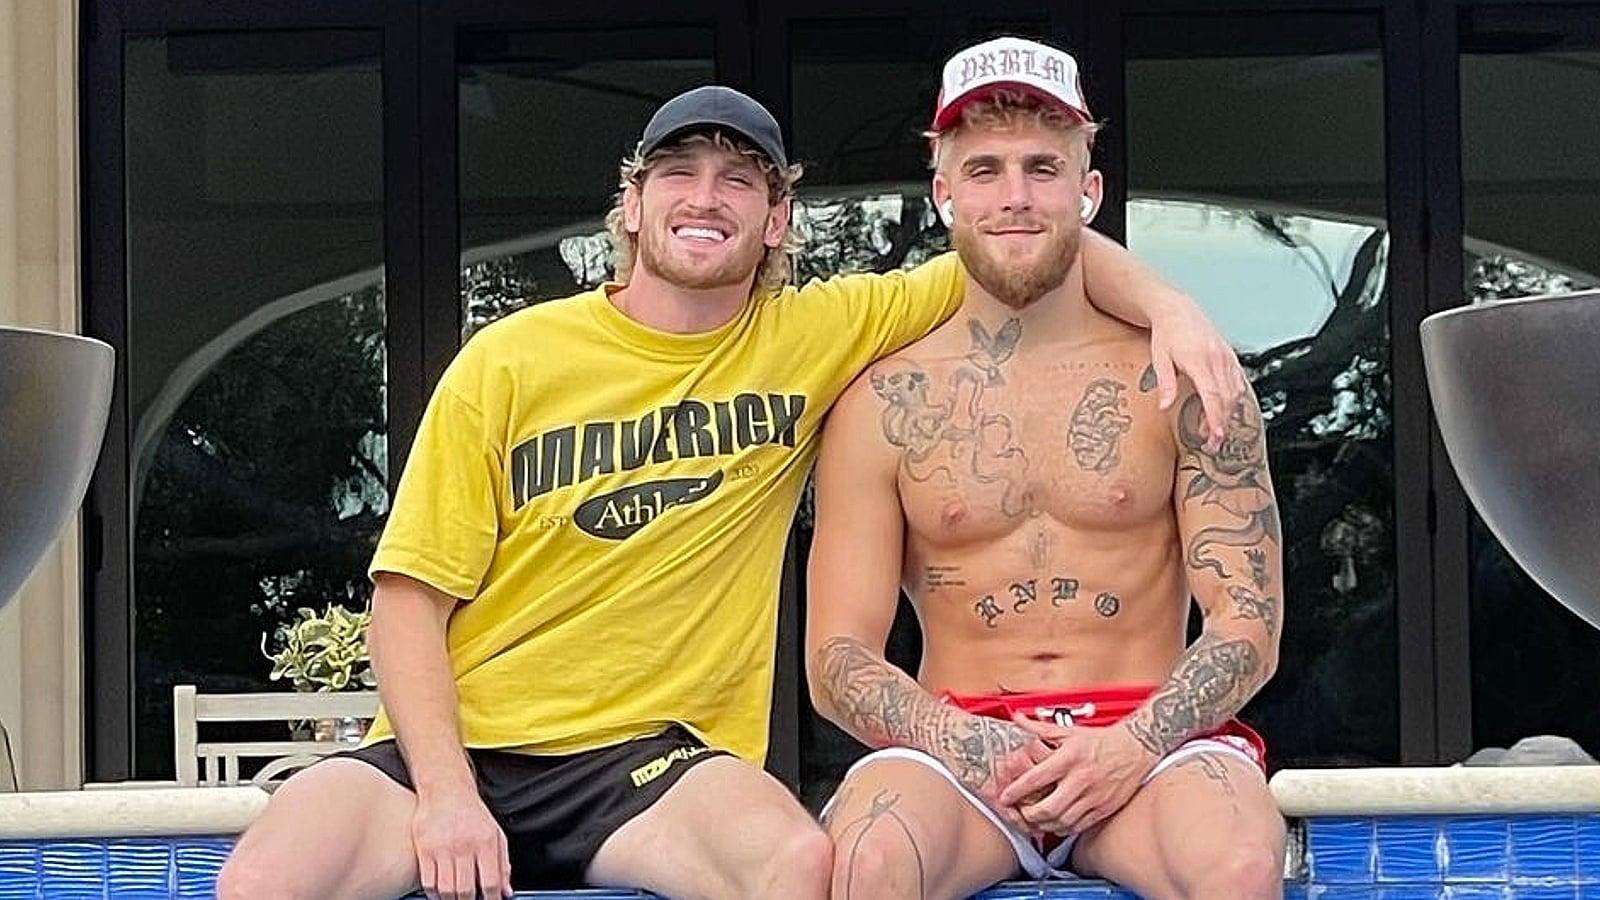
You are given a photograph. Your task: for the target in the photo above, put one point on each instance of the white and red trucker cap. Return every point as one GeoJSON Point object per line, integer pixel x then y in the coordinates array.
{"type": "Point", "coordinates": [1009, 63]}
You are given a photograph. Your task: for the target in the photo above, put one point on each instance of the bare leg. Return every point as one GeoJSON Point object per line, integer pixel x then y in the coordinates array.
{"type": "Point", "coordinates": [725, 831]}
{"type": "Point", "coordinates": [1205, 828]}
{"type": "Point", "coordinates": [340, 828]}
{"type": "Point", "coordinates": [901, 830]}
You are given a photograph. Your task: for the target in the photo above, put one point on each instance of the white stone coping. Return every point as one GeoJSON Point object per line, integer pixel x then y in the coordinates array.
{"type": "Point", "coordinates": [1454, 790]}
{"type": "Point", "coordinates": [134, 812]}
{"type": "Point", "coordinates": [151, 811]}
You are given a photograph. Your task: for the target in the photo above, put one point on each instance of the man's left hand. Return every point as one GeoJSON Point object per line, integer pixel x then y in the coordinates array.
{"type": "Point", "coordinates": [1092, 773]}
{"type": "Point", "coordinates": [1184, 340]}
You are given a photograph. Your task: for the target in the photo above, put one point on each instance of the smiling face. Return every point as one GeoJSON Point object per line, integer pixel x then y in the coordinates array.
{"type": "Point", "coordinates": [703, 216]}
{"type": "Point", "coordinates": [1016, 186]}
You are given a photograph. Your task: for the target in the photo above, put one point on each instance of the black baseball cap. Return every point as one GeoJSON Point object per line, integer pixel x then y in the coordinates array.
{"type": "Point", "coordinates": [711, 107]}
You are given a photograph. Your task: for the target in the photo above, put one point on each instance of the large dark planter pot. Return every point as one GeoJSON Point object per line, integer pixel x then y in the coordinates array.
{"type": "Point", "coordinates": [1516, 390]}
{"type": "Point", "coordinates": [55, 393]}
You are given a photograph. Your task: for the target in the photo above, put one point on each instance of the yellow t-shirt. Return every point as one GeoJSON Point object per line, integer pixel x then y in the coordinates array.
{"type": "Point", "coordinates": [613, 502]}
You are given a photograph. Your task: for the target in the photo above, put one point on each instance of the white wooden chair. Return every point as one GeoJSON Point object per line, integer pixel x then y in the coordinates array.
{"type": "Point", "coordinates": [190, 708]}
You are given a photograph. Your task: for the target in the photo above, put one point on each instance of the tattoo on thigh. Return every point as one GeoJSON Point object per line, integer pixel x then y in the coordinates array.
{"type": "Point", "coordinates": [841, 801]}
{"type": "Point", "coordinates": [880, 811]}
{"type": "Point", "coordinates": [1212, 767]}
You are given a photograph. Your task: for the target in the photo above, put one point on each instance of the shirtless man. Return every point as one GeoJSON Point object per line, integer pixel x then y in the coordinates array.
{"type": "Point", "coordinates": [1014, 473]}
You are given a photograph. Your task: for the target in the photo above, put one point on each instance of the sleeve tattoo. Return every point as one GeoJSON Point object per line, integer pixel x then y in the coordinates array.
{"type": "Point", "coordinates": [1211, 682]}
{"type": "Point", "coordinates": [884, 707]}
{"type": "Point", "coordinates": [1223, 669]}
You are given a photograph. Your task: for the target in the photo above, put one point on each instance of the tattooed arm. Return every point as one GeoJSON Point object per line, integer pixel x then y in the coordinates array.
{"type": "Point", "coordinates": [1232, 548]}
{"type": "Point", "coordinates": [853, 588]}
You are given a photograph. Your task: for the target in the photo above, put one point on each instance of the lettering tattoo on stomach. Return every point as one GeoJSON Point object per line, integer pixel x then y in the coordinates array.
{"type": "Point", "coordinates": [1021, 596]}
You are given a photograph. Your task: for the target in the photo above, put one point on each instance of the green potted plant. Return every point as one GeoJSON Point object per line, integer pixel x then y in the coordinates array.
{"type": "Point", "coordinates": [322, 653]}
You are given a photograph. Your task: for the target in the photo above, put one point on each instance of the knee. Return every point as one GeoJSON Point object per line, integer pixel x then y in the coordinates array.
{"type": "Point", "coordinates": [877, 862]}
{"type": "Point", "coordinates": [805, 856]}
{"type": "Point", "coordinates": [246, 877]}
{"type": "Point", "coordinates": [1248, 870]}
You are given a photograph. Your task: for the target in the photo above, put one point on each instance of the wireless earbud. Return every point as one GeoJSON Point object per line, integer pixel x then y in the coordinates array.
{"type": "Point", "coordinates": [1085, 208]}
{"type": "Point", "coordinates": [947, 213]}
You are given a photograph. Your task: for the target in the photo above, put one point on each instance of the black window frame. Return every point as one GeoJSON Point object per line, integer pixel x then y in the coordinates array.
{"type": "Point", "coordinates": [421, 257]}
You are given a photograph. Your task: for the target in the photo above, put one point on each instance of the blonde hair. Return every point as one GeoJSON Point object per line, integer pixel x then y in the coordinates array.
{"type": "Point", "coordinates": [1006, 109]}
{"type": "Point", "coordinates": [774, 271]}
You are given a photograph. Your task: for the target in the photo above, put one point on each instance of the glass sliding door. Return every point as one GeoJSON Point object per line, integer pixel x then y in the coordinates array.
{"type": "Point", "coordinates": [545, 117]}
{"type": "Point", "coordinates": [257, 375]}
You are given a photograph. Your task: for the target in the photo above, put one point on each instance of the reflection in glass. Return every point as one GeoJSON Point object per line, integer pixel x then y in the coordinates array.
{"type": "Point", "coordinates": [258, 459]}
{"type": "Point", "coordinates": [1318, 359]}
{"type": "Point", "coordinates": [545, 118]}
{"type": "Point", "coordinates": [1266, 202]}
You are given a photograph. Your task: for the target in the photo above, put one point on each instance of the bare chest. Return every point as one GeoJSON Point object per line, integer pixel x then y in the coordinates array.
{"type": "Point", "coordinates": [1080, 441]}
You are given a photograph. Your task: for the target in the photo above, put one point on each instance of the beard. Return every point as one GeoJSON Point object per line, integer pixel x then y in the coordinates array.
{"type": "Point", "coordinates": [738, 264]}
{"type": "Point", "coordinates": [1015, 283]}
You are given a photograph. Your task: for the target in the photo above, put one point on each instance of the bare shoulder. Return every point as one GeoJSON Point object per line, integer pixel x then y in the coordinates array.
{"type": "Point", "coordinates": [900, 381]}
{"type": "Point", "coordinates": [855, 426]}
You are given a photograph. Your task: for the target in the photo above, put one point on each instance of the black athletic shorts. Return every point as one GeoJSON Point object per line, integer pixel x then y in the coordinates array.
{"type": "Point", "coordinates": [556, 811]}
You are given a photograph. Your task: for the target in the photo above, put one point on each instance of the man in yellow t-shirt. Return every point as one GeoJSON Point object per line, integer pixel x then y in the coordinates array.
{"type": "Point", "coordinates": [576, 594]}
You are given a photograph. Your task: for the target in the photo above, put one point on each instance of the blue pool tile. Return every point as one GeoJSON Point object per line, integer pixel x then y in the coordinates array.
{"type": "Point", "coordinates": [1544, 847]}
{"type": "Point", "coordinates": [1476, 848]}
{"type": "Point", "coordinates": [1295, 890]}
{"type": "Point", "coordinates": [1409, 850]}
{"type": "Point", "coordinates": [138, 869]}
{"type": "Point", "coordinates": [1478, 892]}
{"type": "Point", "coordinates": [1340, 851]}
{"type": "Point", "coordinates": [1411, 892]}
{"type": "Point", "coordinates": [1588, 847]}
{"type": "Point", "coordinates": [196, 862]}
{"type": "Point", "coordinates": [1341, 892]}
{"type": "Point", "coordinates": [19, 871]}
{"type": "Point", "coordinates": [73, 870]}
{"type": "Point", "coordinates": [1545, 892]}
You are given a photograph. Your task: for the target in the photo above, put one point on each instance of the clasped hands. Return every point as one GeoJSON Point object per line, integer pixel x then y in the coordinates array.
{"type": "Point", "coordinates": [1069, 779]}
